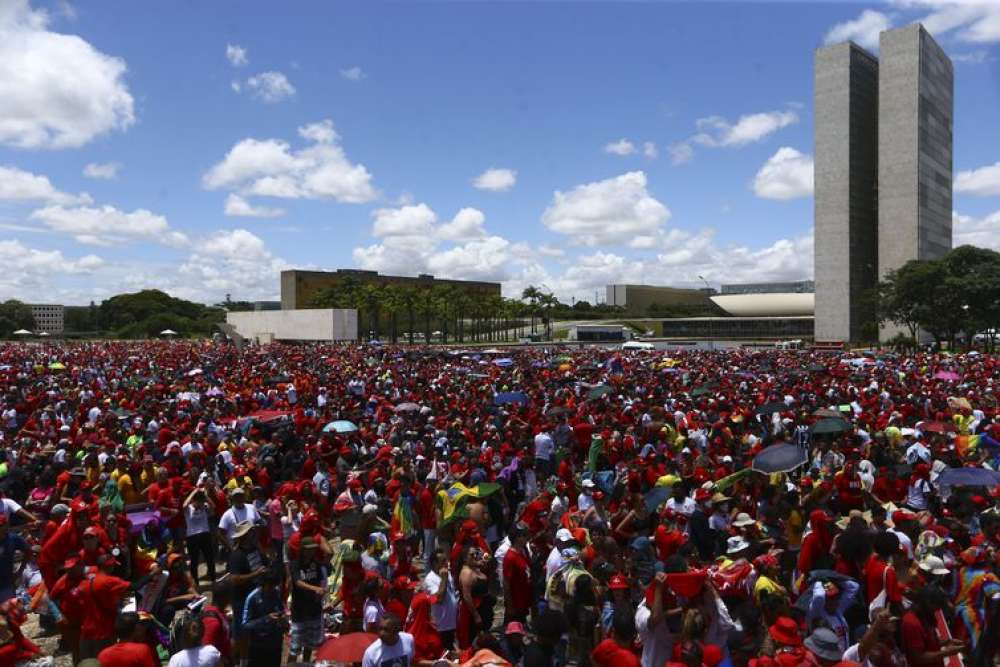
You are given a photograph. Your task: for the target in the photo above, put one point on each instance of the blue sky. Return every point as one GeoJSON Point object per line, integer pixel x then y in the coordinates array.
{"type": "Point", "coordinates": [203, 148]}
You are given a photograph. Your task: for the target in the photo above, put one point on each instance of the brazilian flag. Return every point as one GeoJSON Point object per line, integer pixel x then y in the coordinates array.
{"type": "Point", "coordinates": [455, 497]}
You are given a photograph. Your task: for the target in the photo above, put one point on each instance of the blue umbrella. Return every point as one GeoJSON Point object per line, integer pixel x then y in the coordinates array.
{"type": "Point", "coordinates": [503, 363]}
{"type": "Point", "coordinates": [340, 426]}
{"type": "Point", "coordinates": [656, 497]}
{"type": "Point", "coordinates": [950, 477]}
{"type": "Point", "coordinates": [782, 457]}
{"type": "Point", "coordinates": [506, 397]}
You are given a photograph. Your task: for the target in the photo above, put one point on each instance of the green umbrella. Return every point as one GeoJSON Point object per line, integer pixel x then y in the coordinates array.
{"type": "Point", "coordinates": [597, 392]}
{"type": "Point", "coordinates": [57, 366]}
{"type": "Point", "coordinates": [825, 426]}
{"type": "Point", "coordinates": [701, 391]}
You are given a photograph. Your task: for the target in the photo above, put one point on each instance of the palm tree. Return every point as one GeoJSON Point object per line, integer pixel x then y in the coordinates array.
{"type": "Point", "coordinates": [393, 303]}
{"type": "Point", "coordinates": [548, 302]}
{"type": "Point", "coordinates": [409, 297]}
{"type": "Point", "coordinates": [372, 295]}
{"type": "Point", "coordinates": [425, 305]}
{"type": "Point", "coordinates": [444, 306]}
{"type": "Point", "coordinates": [532, 294]}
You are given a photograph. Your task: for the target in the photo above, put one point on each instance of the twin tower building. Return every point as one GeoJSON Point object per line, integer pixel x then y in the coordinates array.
{"type": "Point", "coordinates": [883, 170]}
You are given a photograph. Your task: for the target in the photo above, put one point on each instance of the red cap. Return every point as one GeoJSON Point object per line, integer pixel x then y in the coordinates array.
{"type": "Point", "coordinates": [618, 583]}
{"type": "Point", "coordinates": [402, 583]}
{"type": "Point", "coordinates": [899, 516]}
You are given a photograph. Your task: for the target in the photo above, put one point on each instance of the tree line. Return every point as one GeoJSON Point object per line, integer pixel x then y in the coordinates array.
{"type": "Point", "coordinates": [955, 299]}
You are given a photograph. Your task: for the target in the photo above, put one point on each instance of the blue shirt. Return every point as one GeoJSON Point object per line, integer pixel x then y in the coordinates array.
{"type": "Point", "coordinates": [8, 546]}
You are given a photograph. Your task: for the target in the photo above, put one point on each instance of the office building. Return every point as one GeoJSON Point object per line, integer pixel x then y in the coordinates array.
{"type": "Point", "coordinates": [639, 299]}
{"type": "Point", "coordinates": [845, 200]}
{"type": "Point", "coordinates": [794, 287]}
{"type": "Point", "coordinates": [49, 318]}
{"type": "Point", "coordinates": [916, 87]}
{"type": "Point", "coordinates": [299, 288]}
{"type": "Point", "coordinates": [883, 169]}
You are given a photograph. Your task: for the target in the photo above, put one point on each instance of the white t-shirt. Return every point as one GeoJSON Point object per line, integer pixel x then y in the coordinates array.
{"type": "Point", "coordinates": [657, 642]}
{"type": "Point", "coordinates": [853, 653]}
{"type": "Point", "coordinates": [544, 446]}
{"type": "Point", "coordinates": [400, 654]}
{"type": "Point", "coordinates": [196, 520]}
{"type": "Point", "coordinates": [233, 516]}
{"type": "Point", "coordinates": [444, 614]}
{"type": "Point", "coordinates": [10, 507]}
{"type": "Point", "coordinates": [199, 656]}
{"type": "Point", "coordinates": [374, 611]}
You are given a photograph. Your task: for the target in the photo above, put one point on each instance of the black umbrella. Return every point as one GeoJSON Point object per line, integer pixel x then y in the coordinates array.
{"type": "Point", "coordinates": [782, 457]}
{"type": "Point", "coordinates": [950, 477]}
{"type": "Point", "coordinates": [826, 426]}
{"type": "Point", "coordinates": [769, 408]}
{"type": "Point", "coordinates": [599, 391]}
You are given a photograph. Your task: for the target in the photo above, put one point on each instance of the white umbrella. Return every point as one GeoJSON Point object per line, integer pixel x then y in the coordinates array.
{"type": "Point", "coordinates": [168, 332]}
{"type": "Point", "coordinates": [44, 333]}
{"type": "Point", "coordinates": [22, 332]}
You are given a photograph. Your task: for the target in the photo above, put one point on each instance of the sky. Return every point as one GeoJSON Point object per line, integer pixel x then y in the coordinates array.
{"type": "Point", "coordinates": [201, 148]}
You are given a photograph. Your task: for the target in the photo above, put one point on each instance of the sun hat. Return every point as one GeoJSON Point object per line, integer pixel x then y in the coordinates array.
{"type": "Point", "coordinates": [824, 643]}
{"type": "Point", "coordinates": [736, 543]}
{"type": "Point", "coordinates": [242, 528]}
{"type": "Point", "coordinates": [786, 631]}
{"type": "Point", "coordinates": [743, 519]}
{"type": "Point", "coordinates": [933, 565]}
{"type": "Point", "coordinates": [588, 484]}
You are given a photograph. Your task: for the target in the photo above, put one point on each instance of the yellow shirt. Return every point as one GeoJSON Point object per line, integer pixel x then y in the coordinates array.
{"type": "Point", "coordinates": [763, 585]}
{"type": "Point", "coordinates": [129, 493]}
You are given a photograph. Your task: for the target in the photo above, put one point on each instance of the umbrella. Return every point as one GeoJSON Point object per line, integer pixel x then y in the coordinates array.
{"type": "Point", "coordinates": [782, 457]}
{"type": "Point", "coordinates": [656, 497]}
{"type": "Point", "coordinates": [406, 407]}
{"type": "Point", "coordinates": [168, 332]}
{"type": "Point", "coordinates": [769, 408]}
{"type": "Point", "coordinates": [950, 477]}
{"type": "Point", "coordinates": [701, 391]}
{"type": "Point", "coordinates": [196, 371]}
{"type": "Point", "coordinates": [827, 412]}
{"type": "Point", "coordinates": [599, 391]}
{"type": "Point", "coordinates": [825, 426]}
{"type": "Point", "coordinates": [959, 403]}
{"type": "Point", "coordinates": [817, 368]}
{"type": "Point", "coordinates": [340, 426]}
{"type": "Point", "coordinates": [43, 334]}
{"type": "Point", "coordinates": [951, 376]}
{"type": "Point", "coordinates": [937, 427]}
{"type": "Point", "coordinates": [506, 397]}
{"type": "Point", "coordinates": [556, 411]}
{"type": "Point", "coordinates": [346, 648]}
{"type": "Point", "coordinates": [57, 366]}
{"type": "Point", "coordinates": [503, 363]}
{"type": "Point", "coordinates": [22, 332]}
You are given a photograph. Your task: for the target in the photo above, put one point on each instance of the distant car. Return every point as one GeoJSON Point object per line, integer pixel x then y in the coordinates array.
{"type": "Point", "coordinates": [985, 336]}
{"type": "Point", "coordinates": [638, 345]}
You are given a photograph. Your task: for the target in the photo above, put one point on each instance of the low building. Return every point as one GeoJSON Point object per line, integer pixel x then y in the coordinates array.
{"type": "Point", "coordinates": [299, 288]}
{"type": "Point", "coordinates": [594, 333]}
{"type": "Point", "coordinates": [49, 318]}
{"type": "Point", "coordinates": [314, 324]}
{"type": "Point", "coordinates": [751, 316]}
{"type": "Point", "coordinates": [638, 299]}
{"type": "Point", "coordinates": [795, 287]}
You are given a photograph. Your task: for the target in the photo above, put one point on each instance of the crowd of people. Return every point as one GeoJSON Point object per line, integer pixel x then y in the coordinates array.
{"type": "Point", "coordinates": [196, 504]}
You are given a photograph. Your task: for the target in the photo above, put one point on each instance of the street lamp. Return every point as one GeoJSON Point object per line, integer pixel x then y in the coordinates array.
{"type": "Point", "coordinates": [707, 286]}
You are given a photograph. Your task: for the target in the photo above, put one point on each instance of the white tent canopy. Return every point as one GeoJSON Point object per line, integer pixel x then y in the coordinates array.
{"type": "Point", "coordinates": [22, 332]}
{"type": "Point", "coordinates": [168, 332]}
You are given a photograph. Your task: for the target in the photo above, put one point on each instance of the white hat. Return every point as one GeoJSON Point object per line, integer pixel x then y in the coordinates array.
{"type": "Point", "coordinates": [736, 543]}
{"type": "Point", "coordinates": [933, 565]}
{"type": "Point", "coordinates": [588, 484]}
{"type": "Point", "coordinates": [743, 519]}
{"type": "Point", "coordinates": [563, 535]}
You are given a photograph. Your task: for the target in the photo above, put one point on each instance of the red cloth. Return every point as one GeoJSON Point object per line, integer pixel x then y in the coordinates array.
{"type": "Point", "coordinates": [426, 640]}
{"type": "Point", "coordinates": [918, 639]}
{"type": "Point", "coordinates": [216, 631]}
{"type": "Point", "coordinates": [128, 654]}
{"type": "Point", "coordinates": [101, 594]}
{"type": "Point", "coordinates": [609, 654]}
{"type": "Point", "coordinates": [515, 573]}
{"type": "Point", "coordinates": [873, 580]}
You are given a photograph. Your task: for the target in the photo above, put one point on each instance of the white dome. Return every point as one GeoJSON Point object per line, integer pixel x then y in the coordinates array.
{"type": "Point", "coordinates": [780, 304]}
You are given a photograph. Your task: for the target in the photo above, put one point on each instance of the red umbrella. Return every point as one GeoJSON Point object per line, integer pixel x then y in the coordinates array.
{"type": "Point", "coordinates": [346, 648]}
{"type": "Point", "coordinates": [937, 427]}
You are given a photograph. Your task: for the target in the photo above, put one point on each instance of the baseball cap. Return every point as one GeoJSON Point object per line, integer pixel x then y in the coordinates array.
{"type": "Point", "coordinates": [563, 535]}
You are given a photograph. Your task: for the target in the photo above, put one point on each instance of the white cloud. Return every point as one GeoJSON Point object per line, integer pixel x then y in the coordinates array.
{"type": "Point", "coordinates": [864, 30]}
{"type": "Point", "coordinates": [236, 55]}
{"type": "Point", "coordinates": [787, 174]}
{"type": "Point", "coordinates": [57, 90]}
{"type": "Point", "coordinates": [105, 171]}
{"type": "Point", "coordinates": [230, 261]}
{"type": "Point", "coordinates": [19, 185]}
{"type": "Point", "coordinates": [236, 86]}
{"type": "Point", "coordinates": [239, 207]}
{"type": "Point", "coordinates": [30, 273]}
{"type": "Point", "coordinates": [270, 87]}
{"type": "Point", "coordinates": [983, 232]}
{"type": "Point", "coordinates": [353, 73]}
{"type": "Point", "coordinates": [620, 147]}
{"type": "Point", "coordinates": [650, 150]}
{"type": "Point", "coordinates": [496, 180]}
{"type": "Point", "coordinates": [680, 152]}
{"type": "Point", "coordinates": [106, 225]}
{"type": "Point", "coordinates": [614, 210]}
{"type": "Point", "coordinates": [466, 225]}
{"type": "Point", "coordinates": [414, 220]}
{"type": "Point", "coordinates": [271, 168]}
{"type": "Point", "coordinates": [972, 21]}
{"type": "Point", "coordinates": [716, 131]}
{"type": "Point", "coordinates": [983, 182]}
{"type": "Point", "coordinates": [481, 259]}
{"type": "Point", "coordinates": [972, 57]}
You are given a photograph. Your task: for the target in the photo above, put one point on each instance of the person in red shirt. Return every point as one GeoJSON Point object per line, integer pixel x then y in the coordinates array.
{"type": "Point", "coordinates": [888, 488]}
{"type": "Point", "coordinates": [131, 649]}
{"type": "Point", "coordinates": [64, 593]}
{"type": "Point", "coordinates": [426, 640]}
{"type": "Point", "coordinates": [101, 596]}
{"type": "Point", "coordinates": [879, 573]}
{"type": "Point", "coordinates": [849, 491]}
{"type": "Point", "coordinates": [616, 650]}
{"type": "Point", "coordinates": [516, 577]}
{"type": "Point", "coordinates": [920, 640]}
{"type": "Point", "coordinates": [216, 626]}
